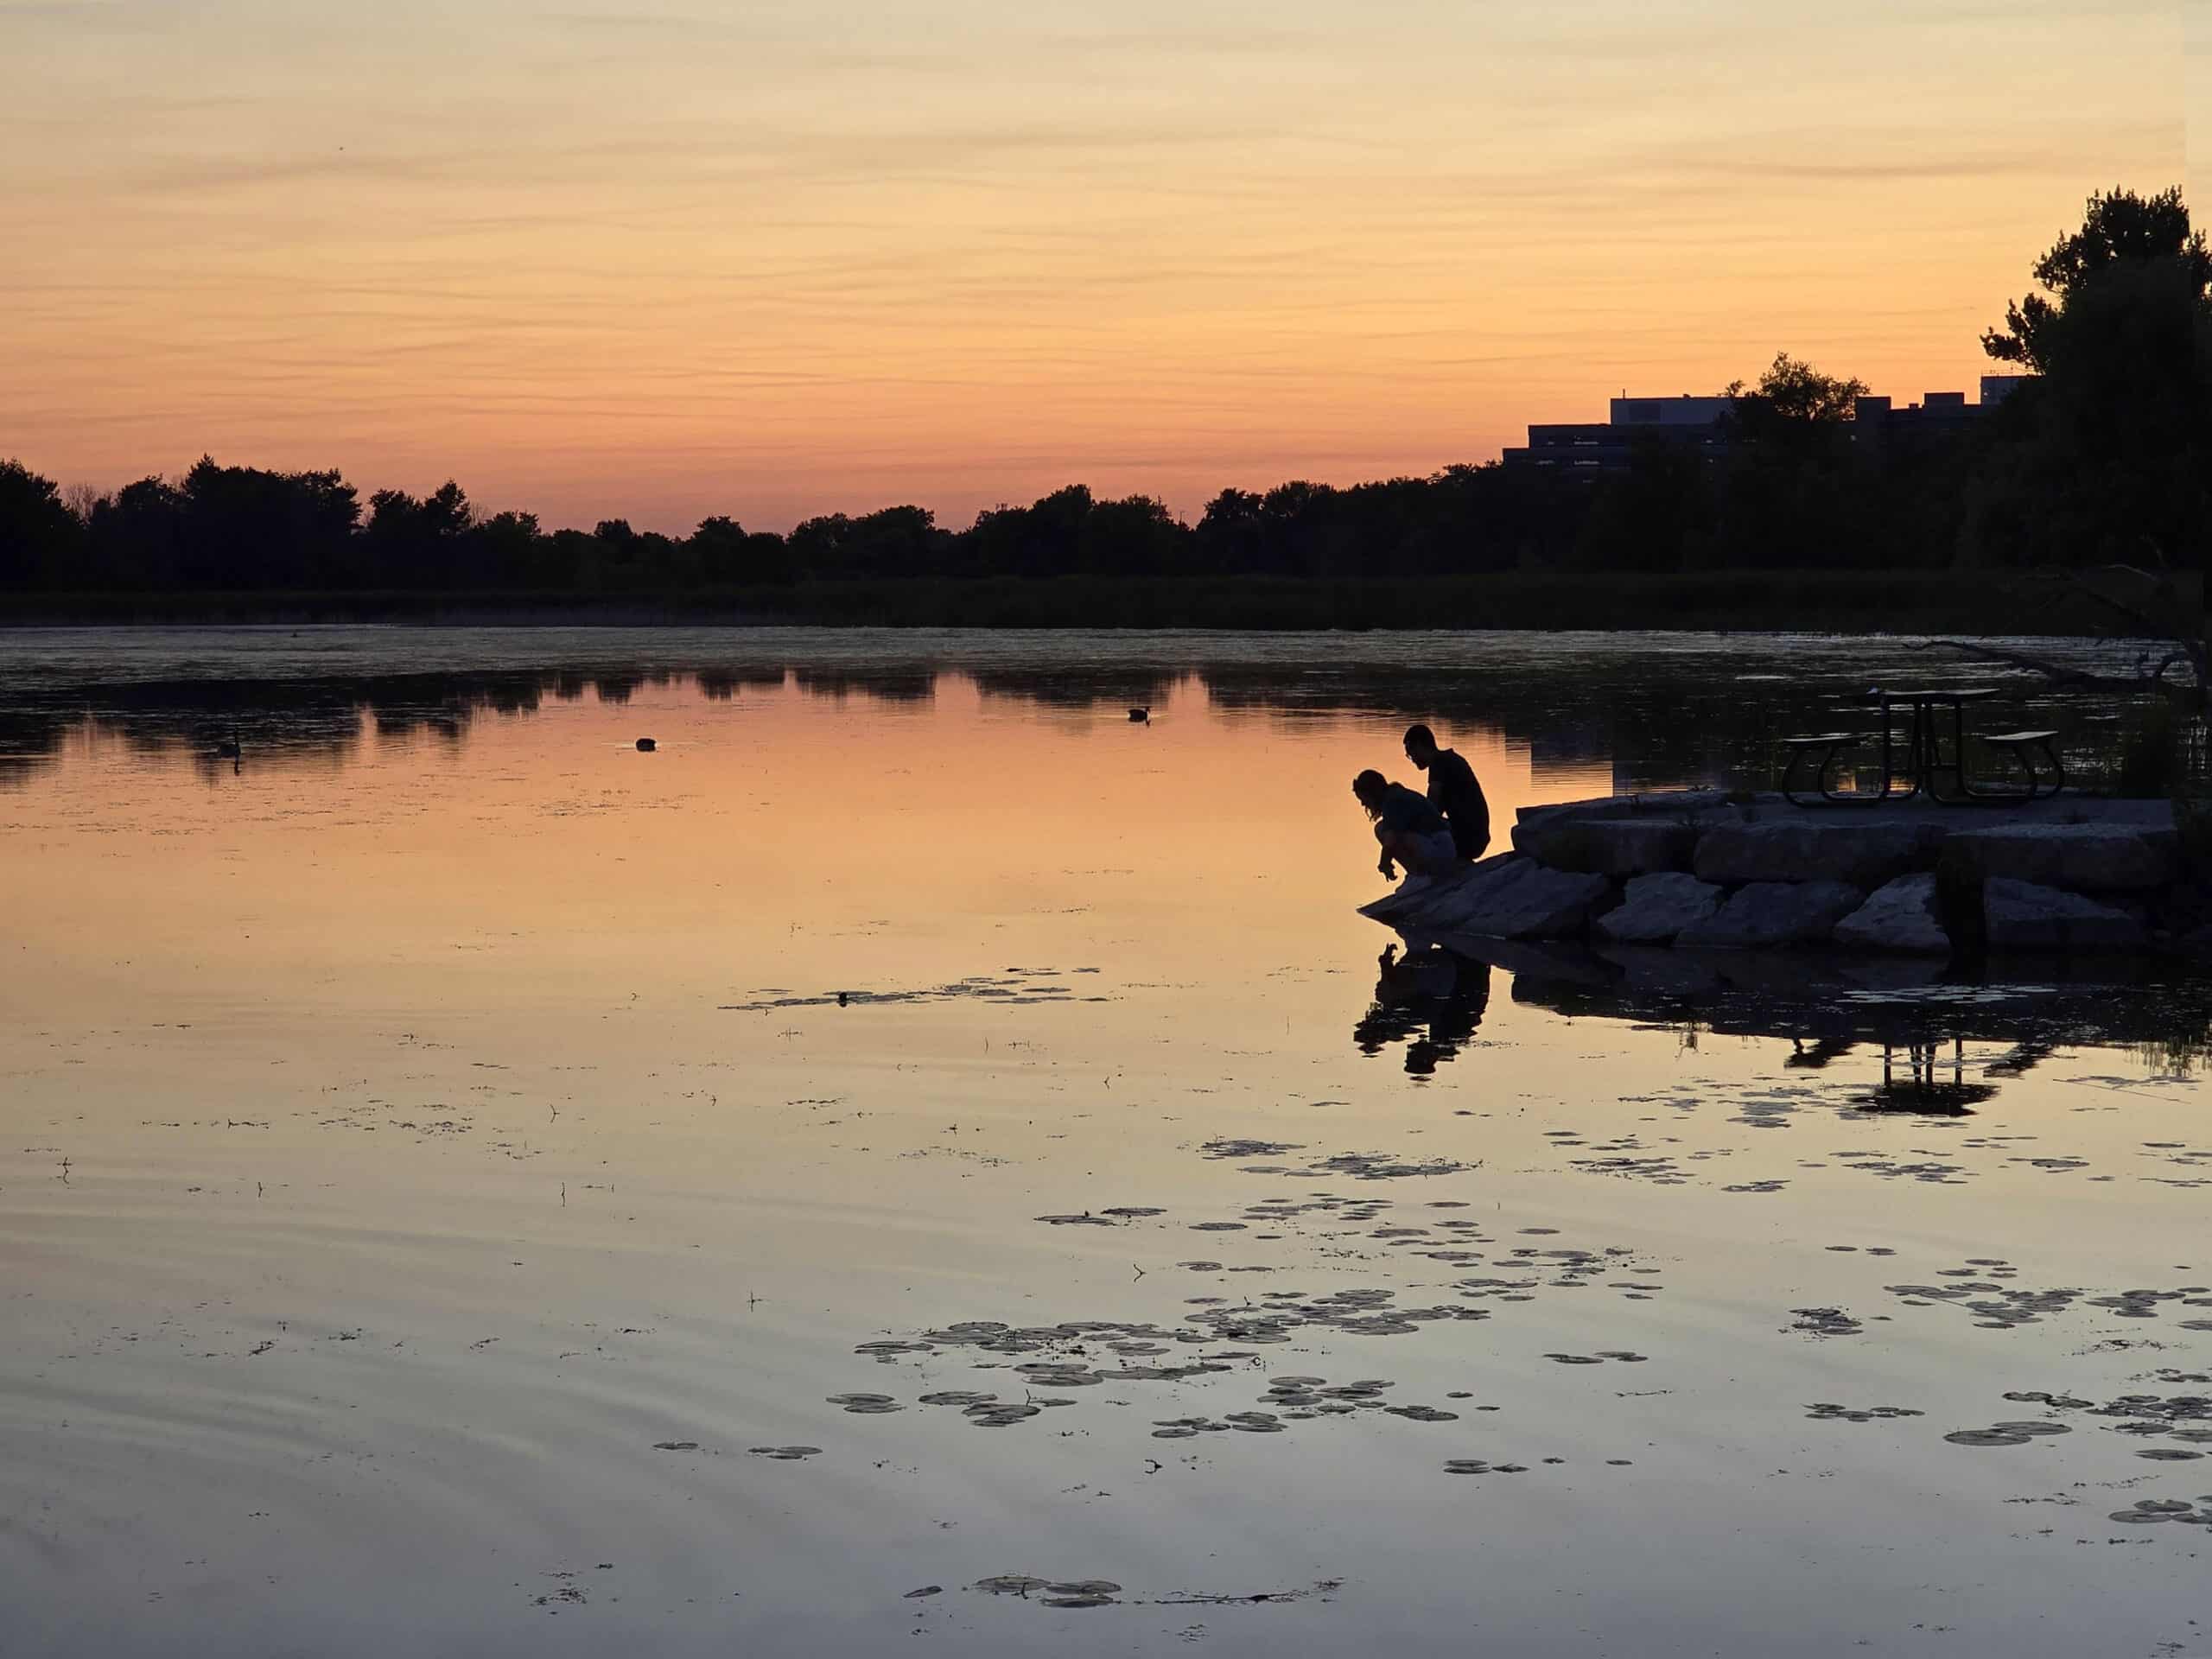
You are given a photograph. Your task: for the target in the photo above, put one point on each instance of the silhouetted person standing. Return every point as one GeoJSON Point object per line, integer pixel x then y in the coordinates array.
{"type": "Point", "coordinates": [1452, 791]}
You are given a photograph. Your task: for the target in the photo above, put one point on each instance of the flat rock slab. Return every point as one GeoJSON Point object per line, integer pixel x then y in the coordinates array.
{"type": "Point", "coordinates": [2026, 916]}
{"type": "Point", "coordinates": [1669, 802]}
{"type": "Point", "coordinates": [2092, 857]}
{"type": "Point", "coordinates": [1616, 846]}
{"type": "Point", "coordinates": [1657, 907]}
{"type": "Point", "coordinates": [1413, 898]}
{"type": "Point", "coordinates": [1900, 916]}
{"type": "Point", "coordinates": [1863, 853]}
{"type": "Point", "coordinates": [1774, 913]}
{"type": "Point", "coordinates": [1514, 898]}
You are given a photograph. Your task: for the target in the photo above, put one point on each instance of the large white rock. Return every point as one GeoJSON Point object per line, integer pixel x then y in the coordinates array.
{"type": "Point", "coordinates": [2092, 857]}
{"type": "Point", "coordinates": [1773, 912]}
{"type": "Point", "coordinates": [1657, 907]}
{"type": "Point", "coordinates": [1900, 916]}
{"type": "Point", "coordinates": [2027, 916]}
{"type": "Point", "coordinates": [1861, 851]}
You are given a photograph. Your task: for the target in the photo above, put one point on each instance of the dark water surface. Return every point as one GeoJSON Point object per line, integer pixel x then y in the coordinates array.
{"type": "Point", "coordinates": [469, 1186]}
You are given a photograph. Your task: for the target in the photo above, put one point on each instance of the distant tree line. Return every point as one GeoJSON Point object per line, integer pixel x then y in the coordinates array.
{"type": "Point", "coordinates": [2105, 455]}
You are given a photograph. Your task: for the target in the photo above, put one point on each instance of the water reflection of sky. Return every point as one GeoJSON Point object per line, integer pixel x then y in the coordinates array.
{"type": "Point", "coordinates": [419, 1128]}
{"type": "Point", "coordinates": [1645, 711]}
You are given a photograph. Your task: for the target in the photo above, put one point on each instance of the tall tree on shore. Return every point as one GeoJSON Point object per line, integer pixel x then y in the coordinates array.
{"type": "Point", "coordinates": [2102, 464]}
{"type": "Point", "coordinates": [2118, 229]}
{"type": "Point", "coordinates": [2107, 460]}
{"type": "Point", "coordinates": [38, 533]}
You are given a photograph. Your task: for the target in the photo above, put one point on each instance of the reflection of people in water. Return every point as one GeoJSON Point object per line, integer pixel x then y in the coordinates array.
{"type": "Point", "coordinates": [1823, 1050]}
{"type": "Point", "coordinates": [1452, 791]}
{"type": "Point", "coordinates": [1410, 832]}
{"type": "Point", "coordinates": [1432, 988]}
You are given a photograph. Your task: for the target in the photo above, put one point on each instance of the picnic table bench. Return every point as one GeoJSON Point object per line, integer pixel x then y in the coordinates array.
{"type": "Point", "coordinates": [1913, 769]}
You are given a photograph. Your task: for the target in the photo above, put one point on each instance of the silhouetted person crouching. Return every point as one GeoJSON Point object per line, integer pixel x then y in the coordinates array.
{"type": "Point", "coordinates": [1453, 789]}
{"type": "Point", "coordinates": [1409, 830]}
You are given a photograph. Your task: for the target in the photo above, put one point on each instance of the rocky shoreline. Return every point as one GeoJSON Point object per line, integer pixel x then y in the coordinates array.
{"type": "Point", "coordinates": [1696, 870]}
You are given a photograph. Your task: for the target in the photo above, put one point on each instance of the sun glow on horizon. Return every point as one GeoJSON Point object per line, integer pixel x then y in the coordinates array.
{"type": "Point", "coordinates": [655, 261]}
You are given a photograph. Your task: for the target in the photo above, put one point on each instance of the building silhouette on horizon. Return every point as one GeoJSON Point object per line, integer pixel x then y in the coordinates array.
{"type": "Point", "coordinates": [1701, 424]}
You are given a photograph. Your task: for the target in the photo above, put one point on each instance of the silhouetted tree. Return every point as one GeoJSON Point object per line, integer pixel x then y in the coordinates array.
{"type": "Point", "coordinates": [2108, 455]}
{"type": "Point", "coordinates": [902, 540]}
{"type": "Point", "coordinates": [243, 527]}
{"type": "Point", "coordinates": [1135, 535]}
{"type": "Point", "coordinates": [1053, 531]}
{"type": "Point", "coordinates": [40, 538]}
{"type": "Point", "coordinates": [505, 551]}
{"type": "Point", "coordinates": [1794, 402]}
{"type": "Point", "coordinates": [1658, 515]}
{"type": "Point", "coordinates": [1790, 493]}
{"type": "Point", "coordinates": [422, 543]}
{"type": "Point", "coordinates": [136, 536]}
{"type": "Point", "coordinates": [1501, 517]}
{"type": "Point", "coordinates": [728, 555]}
{"type": "Point", "coordinates": [2119, 228]}
{"type": "Point", "coordinates": [1230, 535]}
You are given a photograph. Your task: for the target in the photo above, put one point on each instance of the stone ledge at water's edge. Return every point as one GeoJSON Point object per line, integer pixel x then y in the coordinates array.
{"type": "Point", "coordinates": [1693, 870]}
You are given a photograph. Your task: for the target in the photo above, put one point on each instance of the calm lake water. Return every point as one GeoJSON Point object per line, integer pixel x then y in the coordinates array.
{"type": "Point", "coordinates": [467, 1186]}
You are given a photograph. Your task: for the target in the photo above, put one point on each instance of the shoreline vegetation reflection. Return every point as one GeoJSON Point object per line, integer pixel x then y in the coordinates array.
{"type": "Point", "coordinates": [1659, 710]}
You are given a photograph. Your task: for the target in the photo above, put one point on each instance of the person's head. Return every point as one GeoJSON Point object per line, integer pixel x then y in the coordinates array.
{"type": "Point", "coordinates": [1367, 789]}
{"type": "Point", "coordinates": [1420, 745]}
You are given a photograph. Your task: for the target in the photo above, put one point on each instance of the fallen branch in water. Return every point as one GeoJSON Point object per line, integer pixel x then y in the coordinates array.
{"type": "Point", "coordinates": [2149, 676]}
{"type": "Point", "coordinates": [2156, 605]}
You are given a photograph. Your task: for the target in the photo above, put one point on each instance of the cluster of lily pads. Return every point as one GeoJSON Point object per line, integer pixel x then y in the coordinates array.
{"type": "Point", "coordinates": [2184, 1417]}
{"type": "Point", "coordinates": [2149, 1509]}
{"type": "Point", "coordinates": [1981, 1292]}
{"type": "Point", "coordinates": [1360, 1165]}
{"type": "Point", "coordinates": [1824, 1411]}
{"type": "Point", "coordinates": [1825, 1322]}
{"type": "Point", "coordinates": [2012, 1433]}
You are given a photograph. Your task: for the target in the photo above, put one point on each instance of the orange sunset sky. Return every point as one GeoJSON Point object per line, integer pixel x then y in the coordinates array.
{"type": "Point", "coordinates": [657, 258]}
